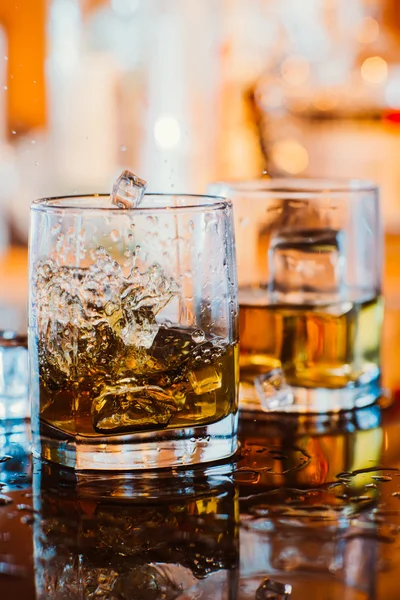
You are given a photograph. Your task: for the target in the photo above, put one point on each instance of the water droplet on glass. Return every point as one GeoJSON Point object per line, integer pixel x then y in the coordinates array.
{"type": "Point", "coordinates": [381, 478]}
{"type": "Point", "coordinates": [360, 498]}
{"type": "Point", "coordinates": [14, 132]}
{"type": "Point", "coordinates": [198, 336]}
{"type": "Point", "coordinates": [5, 458]}
{"type": "Point", "coordinates": [114, 235]}
{"type": "Point", "coordinates": [345, 476]}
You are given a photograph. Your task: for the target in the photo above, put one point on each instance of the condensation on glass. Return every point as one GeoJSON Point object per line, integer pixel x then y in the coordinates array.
{"type": "Point", "coordinates": [133, 332]}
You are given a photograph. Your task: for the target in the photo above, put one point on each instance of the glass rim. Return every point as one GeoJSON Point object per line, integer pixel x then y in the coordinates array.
{"type": "Point", "coordinates": [298, 188]}
{"type": "Point", "coordinates": [70, 203]}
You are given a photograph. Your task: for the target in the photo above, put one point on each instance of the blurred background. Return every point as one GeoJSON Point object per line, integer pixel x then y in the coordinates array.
{"type": "Point", "coordinates": [185, 92]}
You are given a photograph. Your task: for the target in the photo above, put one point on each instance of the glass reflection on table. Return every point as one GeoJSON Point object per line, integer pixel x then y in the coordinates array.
{"type": "Point", "coordinates": [144, 536]}
{"type": "Point", "coordinates": [307, 502]}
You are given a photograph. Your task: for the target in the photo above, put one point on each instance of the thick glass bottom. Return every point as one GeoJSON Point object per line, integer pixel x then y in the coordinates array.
{"type": "Point", "coordinates": [154, 450]}
{"type": "Point", "coordinates": [317, 400]}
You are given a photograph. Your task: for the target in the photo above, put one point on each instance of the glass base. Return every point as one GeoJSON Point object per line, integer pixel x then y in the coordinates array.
{"type": "Point", "coordinates": [151, 450]}
{"type": "Point", "coordinates": [315, 400]}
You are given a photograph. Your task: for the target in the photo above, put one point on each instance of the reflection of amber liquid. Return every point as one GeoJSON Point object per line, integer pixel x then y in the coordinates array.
{"type": "Point", "coordinates": [176, 383]}
{"type": "Point", "coordinates": [327, 346]}
{"type": "Point", "coordinates": [145, 538]}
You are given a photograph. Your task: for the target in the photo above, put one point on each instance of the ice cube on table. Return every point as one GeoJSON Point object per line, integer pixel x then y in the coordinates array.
{"type": "Point", "coordinates": [273, 590]}
{"type": "Point", "coordinates": [307, 261]}
{"type": "Point", "coordinates": [128, 190]}
{"type": "Point", "coordinates": [273, 391]}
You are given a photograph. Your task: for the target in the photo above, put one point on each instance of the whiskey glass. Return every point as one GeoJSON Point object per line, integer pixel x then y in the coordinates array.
{"type": "Point", "coordinates": [133, 331]}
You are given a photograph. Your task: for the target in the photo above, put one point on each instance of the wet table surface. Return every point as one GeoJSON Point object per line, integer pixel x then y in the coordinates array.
{"type": "Point", "coordinates": [308, 509]}
{"type": "Point", "coordinates": [313, 503]}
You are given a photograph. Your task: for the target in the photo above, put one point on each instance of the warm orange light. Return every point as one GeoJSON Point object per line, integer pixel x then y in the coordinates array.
{"type": "Point", "coordinates": [368, 31]}
{"type": "Point", "coordinates": [295, 70]}
{"type": "Point", "coordinates": [290, 156]}
{"type": "Point", "coordinates": [25, 26]}
{"type": "Point", "coordinates": [374, 70]}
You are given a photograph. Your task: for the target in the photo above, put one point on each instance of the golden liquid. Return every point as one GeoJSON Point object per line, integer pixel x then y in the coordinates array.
{"type": "Point", "coordinates": [327, 346]}
{"type": "Point", "coordinates": [176, 383]}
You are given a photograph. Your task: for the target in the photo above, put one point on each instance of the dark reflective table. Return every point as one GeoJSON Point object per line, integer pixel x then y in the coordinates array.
{"type": "Point", "coordinates": [309, 509]}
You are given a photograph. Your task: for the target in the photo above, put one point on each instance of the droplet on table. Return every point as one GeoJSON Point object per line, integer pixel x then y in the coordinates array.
{"type": "Point", "coordinates": [273, 590]}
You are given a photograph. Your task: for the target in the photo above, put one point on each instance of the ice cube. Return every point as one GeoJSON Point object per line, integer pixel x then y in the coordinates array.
{"type": "Point", "coordinates": [273, 590]}
{"type": "Point", "coordinates": [101, 288]}
{"type": "Point", "coordinates": [143, 298]}
{"type": "Point", "coordinates": [204, 380]}
{"type": "Point", "coordinates": [128, 190]}
{"type": "Point", "coordinates": [306, 264]}
{"type": "Point", "coordinates": [273, 391]}
{"type": "Point", "coordinates": [129, 407]}
{"type": "Point", "coordinates": [153, 581]}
